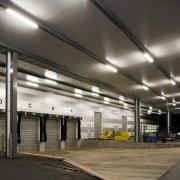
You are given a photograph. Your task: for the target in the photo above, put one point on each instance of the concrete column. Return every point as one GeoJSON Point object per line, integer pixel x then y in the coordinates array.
{"type": "Point", "coordinates": [63, 145]}
{"type": "Point", "coordinates": [42, 146]}
{"type": "Point", "coordinates": [11, 103]}
{"type": "Point", "coordinates": [137, 120]}
{"type": "Point", "coordinates": [168, 122]}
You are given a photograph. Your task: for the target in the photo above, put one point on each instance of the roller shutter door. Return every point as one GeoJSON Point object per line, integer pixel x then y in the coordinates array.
{"type": "Point", "coordinates": [29, 134]}
{"type": "Point", "coordinates": [2, 125]}
{"type": "Point", "coordinates": [53, 131]}
{"type": "Point", "coordinates": [71, 141]}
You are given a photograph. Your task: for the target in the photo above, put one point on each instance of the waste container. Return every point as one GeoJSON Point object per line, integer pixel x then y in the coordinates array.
{"type": "Point", "coordinates": [163, 139]}
{"type": "Point", "coordinates": [154, 139]}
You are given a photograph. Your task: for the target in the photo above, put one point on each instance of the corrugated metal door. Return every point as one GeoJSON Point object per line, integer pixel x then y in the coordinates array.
{"type": "Point", "coordinates": [2, 125]}
{"type": "Point", "coordinates": [53, 132]}
{"type": "Point", "coordinates": [97, 124]}
{"type": "Point", "coordinates": [71, 141]}
{"type": "Point", "coordinates": [29, 134]}
{"type": "Point", "coordinates": [124, 123]}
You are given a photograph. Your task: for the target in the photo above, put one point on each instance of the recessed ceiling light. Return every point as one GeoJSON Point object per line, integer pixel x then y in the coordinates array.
{"type": "Point", "coordinates": [174, 104]}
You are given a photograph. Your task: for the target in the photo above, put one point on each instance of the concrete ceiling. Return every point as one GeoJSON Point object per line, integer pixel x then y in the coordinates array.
{"type": "Point", "coordinates": [77, 38]}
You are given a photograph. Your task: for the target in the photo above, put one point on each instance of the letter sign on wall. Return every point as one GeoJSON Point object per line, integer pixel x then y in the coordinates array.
{"type": "Point", "coordinates": [30, 105]}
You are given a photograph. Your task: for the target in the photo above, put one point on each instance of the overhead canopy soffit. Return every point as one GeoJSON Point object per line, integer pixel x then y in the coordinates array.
{"type": "Point", "coordinates": [80, 37]}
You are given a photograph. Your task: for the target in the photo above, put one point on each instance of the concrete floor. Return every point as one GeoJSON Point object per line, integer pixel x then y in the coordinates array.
{"type": "Point", "coordinates": [124, 164]}
{"type": "Point", "coordinates": [36, 168]}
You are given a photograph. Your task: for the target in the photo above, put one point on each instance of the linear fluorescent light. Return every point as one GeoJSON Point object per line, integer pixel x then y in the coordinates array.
{"type": "Point", "coordinates": [95, 89]}
{"type": "Point", "coordinates": [50, 81]}
{"type": "Point", "coordinates": [106, 102]}
{"type": "Point", "coordinates": [159, 111]}
{"type": "Point", "coordinates": [106, 99]}
{"type": "Point", "coordinates": [121, 98]}
{"type": "Point", "coordinates": [78, 95]}
{"type": "Point", "coordinates": [121, 102]}
{"type": "Point", "coordinates": [78, 91]}
{"type": "Point", "coordinates": [144, 82]}
{"type": "Point", "coordinates": [173, 82]}
{"type": "Point", "coordinates": [148, 57]}
{"type": "Point", "coordinates": [95, 94]}
{"type": "Point", "coordinates": [125, 105]}
{"type": "Point", "coordinates": [111, 61]}
{"type": "Point", "coordinates": [20, 17]}
{"type": "Point", "coordinates": [111, 68]}
{"type": "Point", "coordinates": [32, 78]}
{"type": "Point", "coordinates": [162, 97]}
{"type": "Point", "coordinates": [51, 75]}
{"type": "Point", "coordinates": [145, 88]}
{"type": "Point", "coordinates": [32, 84]}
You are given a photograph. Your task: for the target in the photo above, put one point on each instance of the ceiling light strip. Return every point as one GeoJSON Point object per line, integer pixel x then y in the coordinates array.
{"type": "Point", "coordinates": [78, 91]}
{"type": "Point", "coordinates": [113, 69]}
{"type": "Point", "coordinates": [172, 82]}
{"type": "Point", "coordinates": [95, 94]}
{"type": "Point", "coordinates": [148, 57]}
{"type": "Point", "coordinates": [162, 97]}
{"type": "Point", "coordinates": [145, 88]}
{"type": "Point", "coordinates": [22, 18]}
{"type": "Point", "coordinates": [32, 84]}
{"type": "Point", "coordinates": [50, 81]}
{"type": "Point", "coordinates": [32, 78]}
{"type": "Point", "coordinates": [105, 9]}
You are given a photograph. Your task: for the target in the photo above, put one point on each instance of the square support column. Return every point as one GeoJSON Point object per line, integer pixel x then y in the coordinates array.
{"type": "Point", "coordinates": [11, 104]}
{"type": "Point", "coordinates": [137, 120]}
{"type": "Point", "coordinates": [168, 122]}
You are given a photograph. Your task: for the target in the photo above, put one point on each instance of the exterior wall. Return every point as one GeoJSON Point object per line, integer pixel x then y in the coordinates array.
{"type": "Point", "coordinates": [43, 102]}
{"type": "Point", "coordinates": [2, 96]}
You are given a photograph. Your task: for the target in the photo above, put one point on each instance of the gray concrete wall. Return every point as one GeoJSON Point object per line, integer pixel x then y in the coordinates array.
{"type": "Point", "coordinates": [88, 144]}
